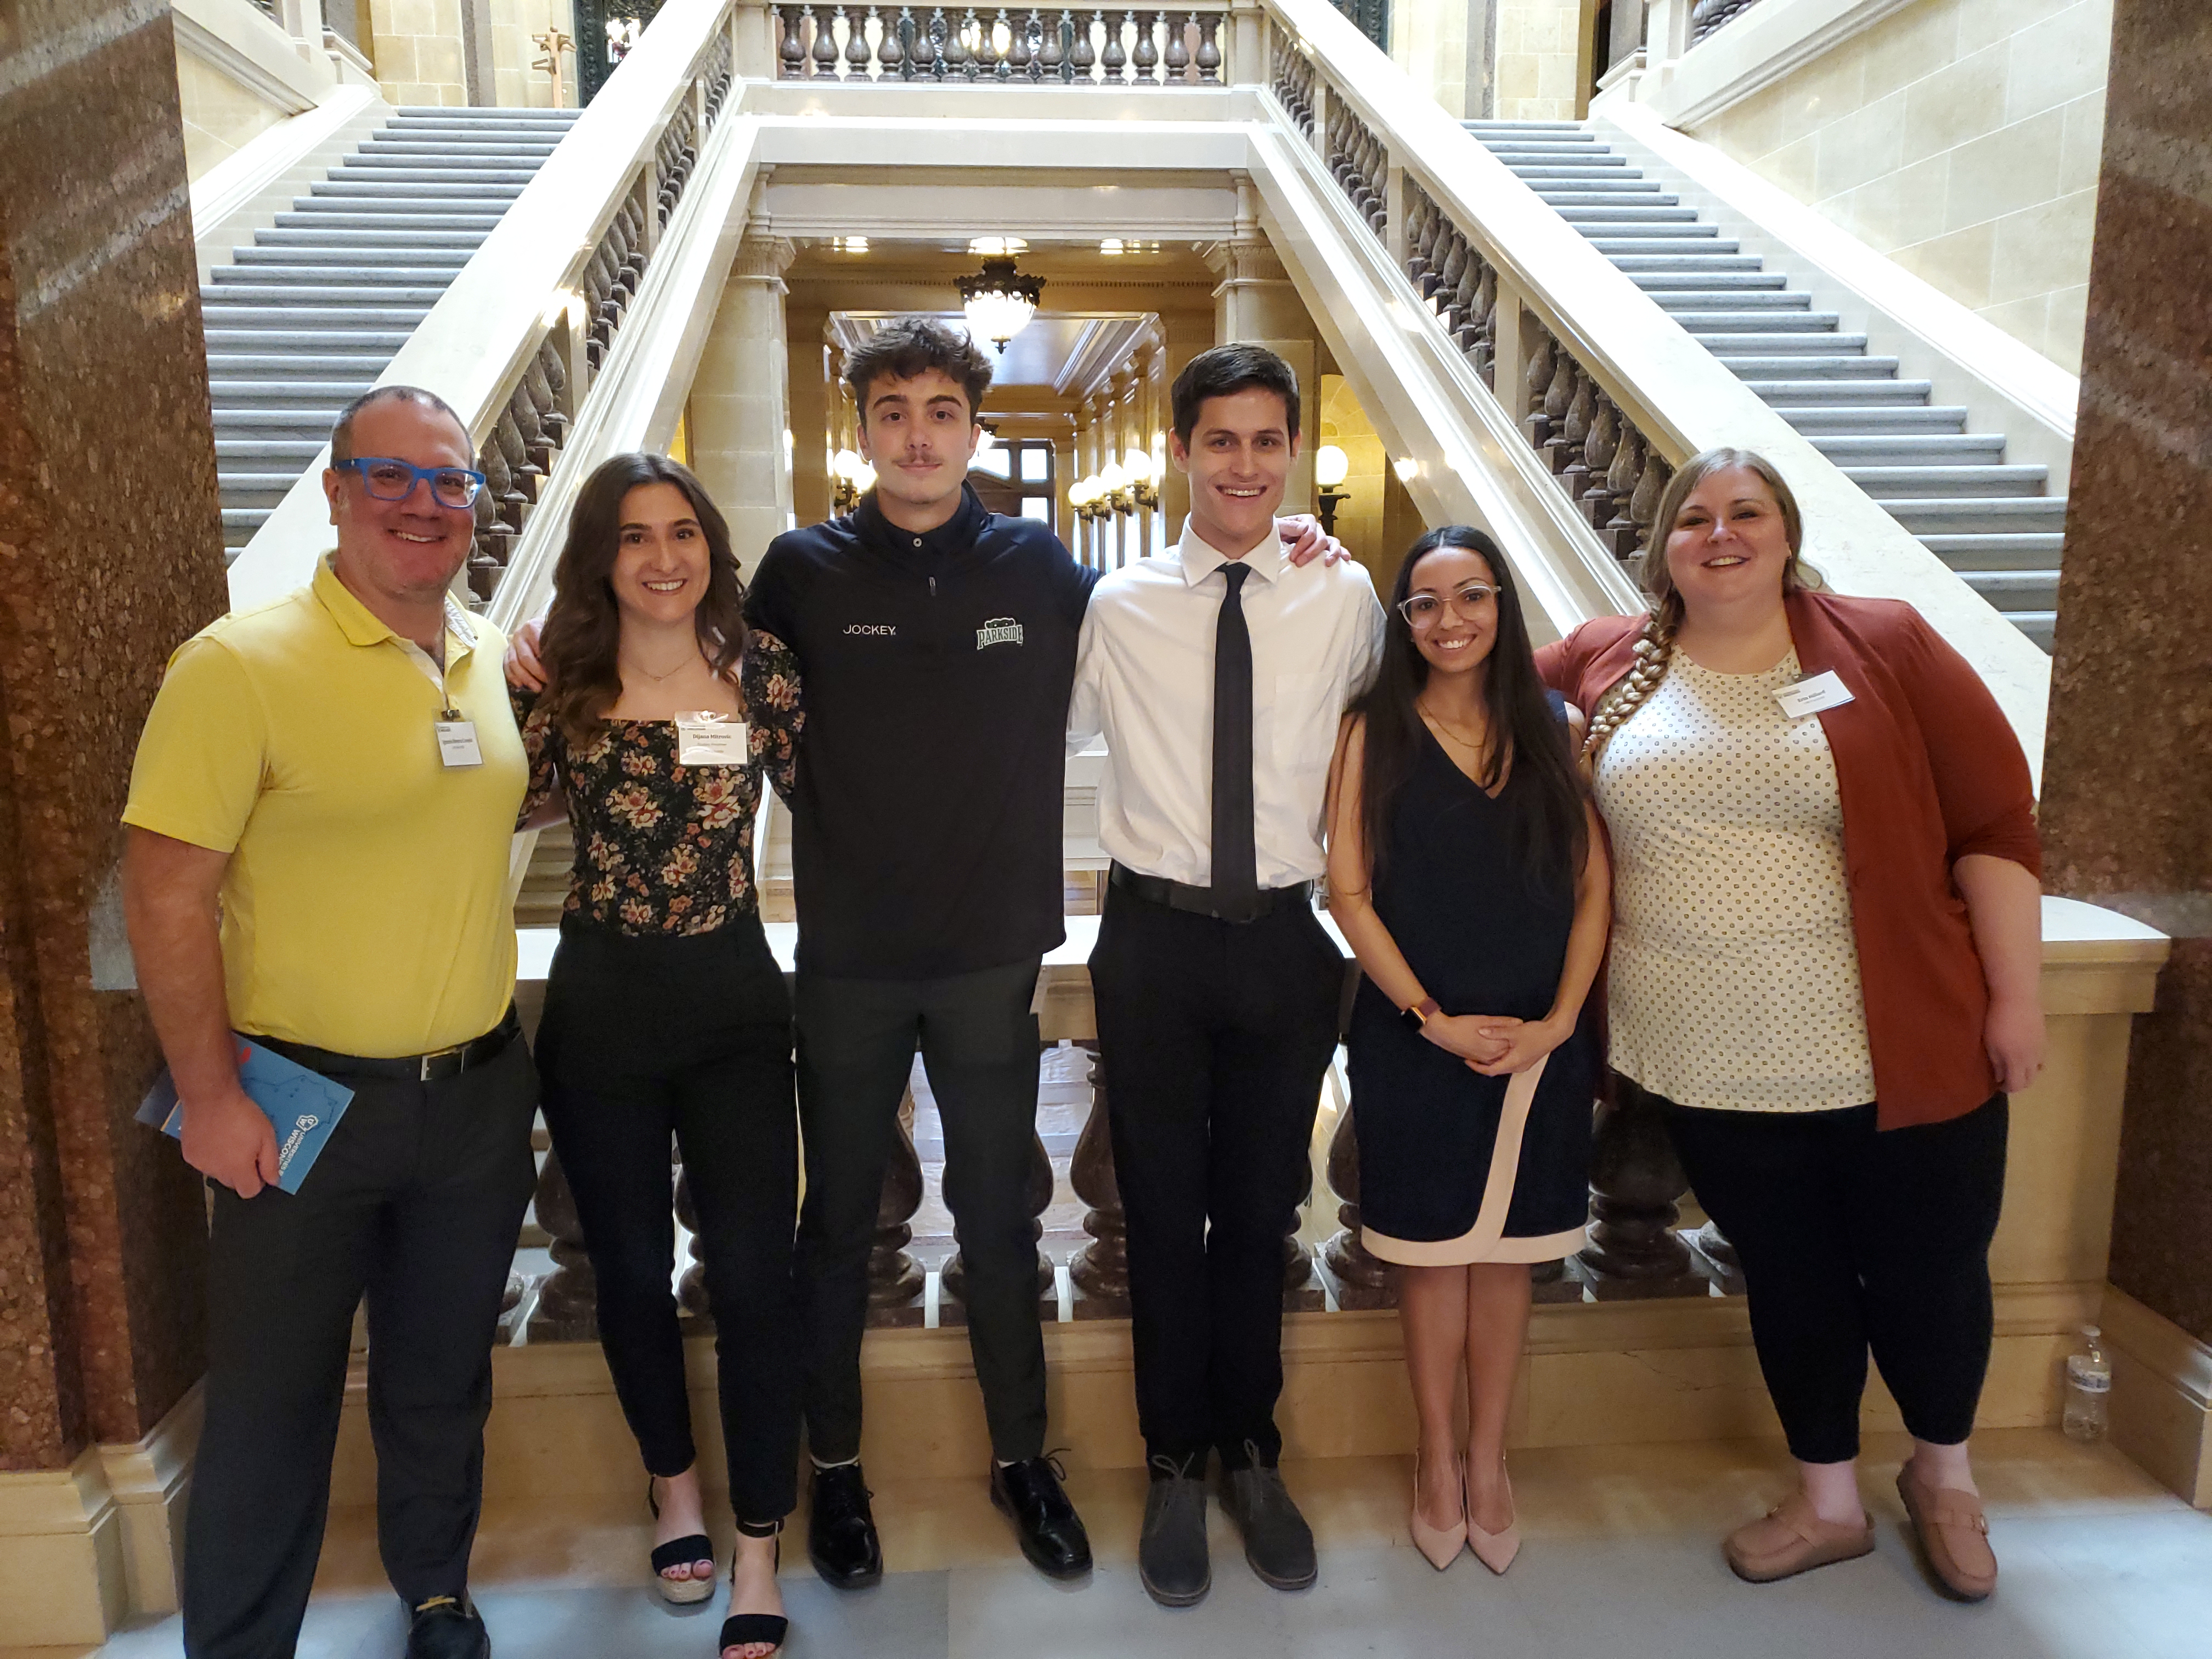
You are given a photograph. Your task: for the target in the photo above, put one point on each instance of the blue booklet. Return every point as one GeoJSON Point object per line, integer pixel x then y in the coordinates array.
{"type": "Point", "coordinates": [304, 1106]}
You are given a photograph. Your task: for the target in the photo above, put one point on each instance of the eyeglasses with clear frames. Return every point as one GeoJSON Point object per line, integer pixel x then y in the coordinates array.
{"type": "Point", "coordinates": [389, 479]}
{"type": "Point", "coordinates": [1426, 610]}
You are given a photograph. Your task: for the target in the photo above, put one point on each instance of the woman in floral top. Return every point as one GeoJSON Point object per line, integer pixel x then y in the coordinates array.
{"type": "Point", "coordinates": [664, 1011]}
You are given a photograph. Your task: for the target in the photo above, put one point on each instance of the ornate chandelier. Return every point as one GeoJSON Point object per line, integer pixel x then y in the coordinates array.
{"type": "Point", "coordinates": [999, 301]}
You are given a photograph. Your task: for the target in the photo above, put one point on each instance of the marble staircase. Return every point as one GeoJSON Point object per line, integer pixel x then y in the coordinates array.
{"type": "Point", "coordinates": [1992, 521]}
{"type": "Point", "coordinates": [308, 317]}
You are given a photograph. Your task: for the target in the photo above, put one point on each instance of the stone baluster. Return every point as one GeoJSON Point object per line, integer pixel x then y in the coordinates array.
{"type": "Point", "coordinates": [890, 51]}
{"type": "Point", "coordinates": [1559, 398]}
{"type": "Point", "coordinates": [1051, 56]}
{"type": "Point", "coordinates": [959, 62]}
{"type": "Point", "coordinates": [1598, 452]}
{"type": "Point", "coordinates": [1718, 1258]}
{"type": "Point", "coordinates": [1651, 484]}
{"type": "Point", "coordinates": [1568, 460]}
{"type": "Point", "coordinates": [986, 65]}
{"type": "Point", "coordinates": [1358, 1278]}
{"type": "Point", "coordinates": [926, 57]}
{"type": "Point", "coordinates": [1486, 339]}
{"type": "Point", "coordinates": [1100, 1269]}
{"type": "Point", "coordinates": [1448, 274]}
{"type": "Point", "coordinates": [568, 1300]}
{"type": "Point", "coordinates": [952, 1278]}
{"type": "Point", "coordinates": [525, 474]}
{"type": "Point", "coordinates": [1619, 532]}
{"type": "Point", "coordinates": [1144, 60]}
{"type": "Point", "coordinates": [1177, 61]}
{"type": "Point", "coordinates": [1467, 303]}
{"type": "Point", "coordinates": [1209, 51]}
{"type": "Point", "coordinates": [1021, 49]}
{"type": "Point", "coordinates": [791, 54]}
{"type": "Point", "coordinates": [824, 19]}
{"type": "Point", "coordinates": [1634, 1183]}
{"type": "Point", "coordinates": [1113, 59]}
{"type": "Point", "coordinates": [488, 562]}
{"type": "Point", "coordinates": [895, 1279]}
{"type": "Point", "coordinates": [1537, 380]}
{"type": "Point", "coordinates": [1378, 187]}
{"type": "Point", "coordinates": [1080, 55]}
{"type": "Point", "coordinates": [856, 42]}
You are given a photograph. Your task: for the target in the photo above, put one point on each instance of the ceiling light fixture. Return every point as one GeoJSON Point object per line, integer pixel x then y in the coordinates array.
{"type": "Point", "coordinates": [999, 301]}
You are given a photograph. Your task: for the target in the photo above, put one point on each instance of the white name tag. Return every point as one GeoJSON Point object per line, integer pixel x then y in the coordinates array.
{"type": "Point", "coordinates": [707, 738]}
{"type": "Point", "coordinates": [457, 742]}
{"type": "Point", "coordinates": [1811, 696]}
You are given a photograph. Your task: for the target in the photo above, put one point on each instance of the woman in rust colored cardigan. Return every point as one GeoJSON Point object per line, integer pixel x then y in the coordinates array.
{"type": "Point", "coordinates": [1825, 969]}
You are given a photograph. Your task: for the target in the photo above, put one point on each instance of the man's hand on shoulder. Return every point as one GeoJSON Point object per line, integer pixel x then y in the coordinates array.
{"type": "Point", "coordinates": [524, 669]}
{"type": "Point", "coordinates": [229, 1138]}
{"type": "Point", "coordinates": [1307, 540]}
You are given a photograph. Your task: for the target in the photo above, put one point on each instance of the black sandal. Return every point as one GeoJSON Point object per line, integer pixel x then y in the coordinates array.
{"type": "Point", "coordinates": [679, 1552]}
{"type": "Point", "coordinates": [743, 1629]}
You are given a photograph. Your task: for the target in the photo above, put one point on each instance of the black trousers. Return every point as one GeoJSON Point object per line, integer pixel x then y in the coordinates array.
{"type": "Point", "coordinates": [1853, 1238]}
{"type": "Point", "coordinates": [644, 1037]}
{"type": "Point", "coordinates": [979, 1042]}
{"type": "Point", "coordinates": [1214, 1038]}
{"type": "Point", "coordinates": [416, 1199]}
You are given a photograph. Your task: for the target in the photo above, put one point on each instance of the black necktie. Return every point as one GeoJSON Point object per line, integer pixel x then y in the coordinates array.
{"type": "Point", "coordinates": [1236, 863]}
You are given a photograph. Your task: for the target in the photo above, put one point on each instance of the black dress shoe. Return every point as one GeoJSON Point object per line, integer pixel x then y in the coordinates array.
{"type": "Point", "coordinates": [1050, 1530]}
{"type": "Point", "coordinates": [841, 1532]}
{"type": "Point", "coordinates": [448, 1627]}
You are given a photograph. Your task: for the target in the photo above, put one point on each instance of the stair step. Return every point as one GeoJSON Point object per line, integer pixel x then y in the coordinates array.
{"type": "Point", "coordinates": [1732, 302]}
{"type": "Point", "coordinates": [322, 273]}
{"type": "Point", "coordinates": [2027, 549]}
{"type": "Point", "coordinates": [338, 219]}
{"type": "Point", "coordinates": [1607, 168]}
{"type": "Point", "coordinates": [1645, 247]}
{"type": "Point", "coordinates": [288, 394]}
{"type": "Point", "coordinates": [1920, 449]}
{"type": "Point", "coordinates": [323, 294]}
{"type": "Point", "coordinates": [1713, 281]}
{"type": "Point", "coordinates": [372, 174]}
{"type": "Point", "coordinates": [269, 453]}
{"type": "Point", "coordinates": [1895, 482]}
{"type": "Point", "coordinates": [1631, 214]}
{"type": "Point", "coordinates": [1842, 394]}
{"type": "Point", "coordinates": [1763, 321]}
{"type": "Point", "coordinates": [1973, 515]}
{"type": "Point", "coordinates": [518, 145]}
{"type": "Point", "coordinates": [1603, 189]}
{"type": "Point", "coordinates": [336, 321]}
{"type": "Point", "coordinates": [261, 490]}
{"type": "Point", "coordinates": [278, 422]}
{"type": "Point", "coordinates": [1831, 421]}
{"type": "Point", "coordinates": [397, 240]}
{"type": "Point", "coordinates": [1579, 198]}
{"type": "Point", "coordinates": [295, 366]}
{"type": "Point", "coordinates": [1634, 235]}
{"type": "Point", "coordinates": [2039, 626]}
{"type": "Point", "coordinates": [1686, 263]}
{"type": "Point", "coordinates": [400, 190]}
{"type": "Point", "coordinates": [2026, 590]}
{"type": "Point", "coordinates": [314, 342]}
{"type": "Point", "coordinates": [1773, 368]}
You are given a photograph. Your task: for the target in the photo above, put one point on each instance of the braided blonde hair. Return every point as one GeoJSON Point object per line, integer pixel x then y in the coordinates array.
{"type": "Point", "coordinates": [1654, 646]}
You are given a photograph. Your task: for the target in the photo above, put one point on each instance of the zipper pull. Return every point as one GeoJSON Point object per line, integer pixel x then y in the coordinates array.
{"type": "Point", "coordinates": [932, 587]}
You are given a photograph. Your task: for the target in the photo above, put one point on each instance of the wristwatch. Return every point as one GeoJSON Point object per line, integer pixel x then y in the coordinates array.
{"type": "Point", "coordinates": [1418, 1014]}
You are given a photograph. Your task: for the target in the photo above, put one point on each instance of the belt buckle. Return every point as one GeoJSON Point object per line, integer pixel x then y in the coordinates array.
{"type": "Point", "coordinates": [422, 1074]}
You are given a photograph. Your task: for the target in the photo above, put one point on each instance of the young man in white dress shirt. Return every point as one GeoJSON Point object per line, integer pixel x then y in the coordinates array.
{"type": "Point", "coordinates": [1218, 674]}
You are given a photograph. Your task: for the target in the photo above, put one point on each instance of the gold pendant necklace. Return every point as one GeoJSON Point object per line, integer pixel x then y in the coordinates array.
{"type": "Point", "coordinates": [658, 679]}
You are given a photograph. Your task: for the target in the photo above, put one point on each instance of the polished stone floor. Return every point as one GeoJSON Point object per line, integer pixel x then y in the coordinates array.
{"type": "Point", "coordinates": [2098, 1563]}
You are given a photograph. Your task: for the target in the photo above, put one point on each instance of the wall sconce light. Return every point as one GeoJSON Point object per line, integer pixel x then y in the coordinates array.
{"type": "Point", "coordinates": [853, 479]}
{"type": "Point", "coordinates": [1144, 473]}
{"type": "Point", "coordinates": [1406, 468]}
{"type": "Point", "coordinates": [1330, 466]}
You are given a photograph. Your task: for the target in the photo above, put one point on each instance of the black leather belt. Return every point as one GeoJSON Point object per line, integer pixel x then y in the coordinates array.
{"type": "Point", "coordinates": [432, 1067]}
{"type": "Point", "coordinates": [1199, 901]}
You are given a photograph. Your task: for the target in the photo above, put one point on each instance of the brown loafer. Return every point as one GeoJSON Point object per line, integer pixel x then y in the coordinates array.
{"type": "Point", "coordinates": [1954, 1533]}
{"type": "Point", "coordinates": [1791, 1538]}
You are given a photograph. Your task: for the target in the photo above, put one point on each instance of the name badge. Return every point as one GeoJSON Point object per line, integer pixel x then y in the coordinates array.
{"type": "Point", "coordinates": [707, 738]}
{"type": "Point", "coordinates": [457, 742]}
{"type": "Point", "coordinates": [1810, 696]}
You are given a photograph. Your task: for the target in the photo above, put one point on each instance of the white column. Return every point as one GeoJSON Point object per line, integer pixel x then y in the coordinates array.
{"type": "Point", "coordinates": [740, 399]}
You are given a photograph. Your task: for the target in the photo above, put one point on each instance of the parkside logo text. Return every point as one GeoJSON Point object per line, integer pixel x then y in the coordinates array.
{"type": "Point", "coordinates": [999, 630]}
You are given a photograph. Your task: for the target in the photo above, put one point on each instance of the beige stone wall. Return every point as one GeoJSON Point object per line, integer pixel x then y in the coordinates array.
{"type": "Point", "coordinates": [418, 51]}
{"type": "Point", "coordinates": [220, 115]}
{"type": "Point", "coordinates": [1961, 138]}
{"type": "Point", "coordinates": [1428, 40]}
{"type": "Point", "coordinates": [513, 23]}
{"type": "Point", "coordinates": [1541, 71]}
{"type": "Point", "coordinates": [1360, 520]}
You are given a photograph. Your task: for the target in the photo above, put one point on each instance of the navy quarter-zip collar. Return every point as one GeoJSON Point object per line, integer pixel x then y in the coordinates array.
{"type": "Point", "coordinates": [931, 548]}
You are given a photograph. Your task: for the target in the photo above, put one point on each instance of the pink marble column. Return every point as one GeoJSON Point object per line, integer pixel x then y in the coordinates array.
{"type": "Point", "coordinates": [2127, 798]}
{"type": "Point", "coordinates": [110, 553]}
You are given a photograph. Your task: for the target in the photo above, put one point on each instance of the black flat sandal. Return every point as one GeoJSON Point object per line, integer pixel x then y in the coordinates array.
{"type": "Point", "coordinates": [742, 1629]}
{"type": "Point", "coordinates": [679, 1552]}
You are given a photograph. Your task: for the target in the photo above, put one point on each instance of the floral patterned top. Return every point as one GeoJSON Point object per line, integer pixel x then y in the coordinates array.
{"type": "Point", "coordinates": [662, 847]}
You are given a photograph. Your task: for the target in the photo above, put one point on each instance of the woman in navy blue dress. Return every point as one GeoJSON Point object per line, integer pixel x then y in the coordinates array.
{"type": "Point", "coordinates": [1468, 875]}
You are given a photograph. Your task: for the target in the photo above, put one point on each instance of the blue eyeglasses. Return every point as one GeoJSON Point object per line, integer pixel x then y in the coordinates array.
{"type": "Point", "coordinates": [387, 479]}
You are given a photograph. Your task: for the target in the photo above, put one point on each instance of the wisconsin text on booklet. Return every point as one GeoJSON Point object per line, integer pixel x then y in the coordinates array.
{"type": "Point", "coordinates": [304, 1106]}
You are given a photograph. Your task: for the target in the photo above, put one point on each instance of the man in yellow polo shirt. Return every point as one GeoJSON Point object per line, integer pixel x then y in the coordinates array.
{"type": "Point", "coordinates": [320, 814]}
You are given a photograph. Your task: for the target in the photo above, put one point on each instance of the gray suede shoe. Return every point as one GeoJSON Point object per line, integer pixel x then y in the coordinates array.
{"type": "Point", "coordinates": [1277, 1541]}
{"type": "Point", "coordinates": [1172, 1558]}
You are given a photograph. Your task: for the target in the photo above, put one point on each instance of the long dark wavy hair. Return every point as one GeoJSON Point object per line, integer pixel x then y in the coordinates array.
{"type": "Point", "coordinates": [1550, 833]}
{"type": "Point", "coordinates": [582, 637]}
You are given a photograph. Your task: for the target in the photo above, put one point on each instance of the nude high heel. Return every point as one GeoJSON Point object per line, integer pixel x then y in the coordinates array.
{"type": "Point", "coordinates": [1441, 1544]}
{"type": "Point", "coordinates": [1495, 1550]}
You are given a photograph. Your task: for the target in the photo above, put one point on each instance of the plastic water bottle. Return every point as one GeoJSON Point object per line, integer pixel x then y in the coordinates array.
{"type": "Point", "coordinates": [2088, 1386]}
